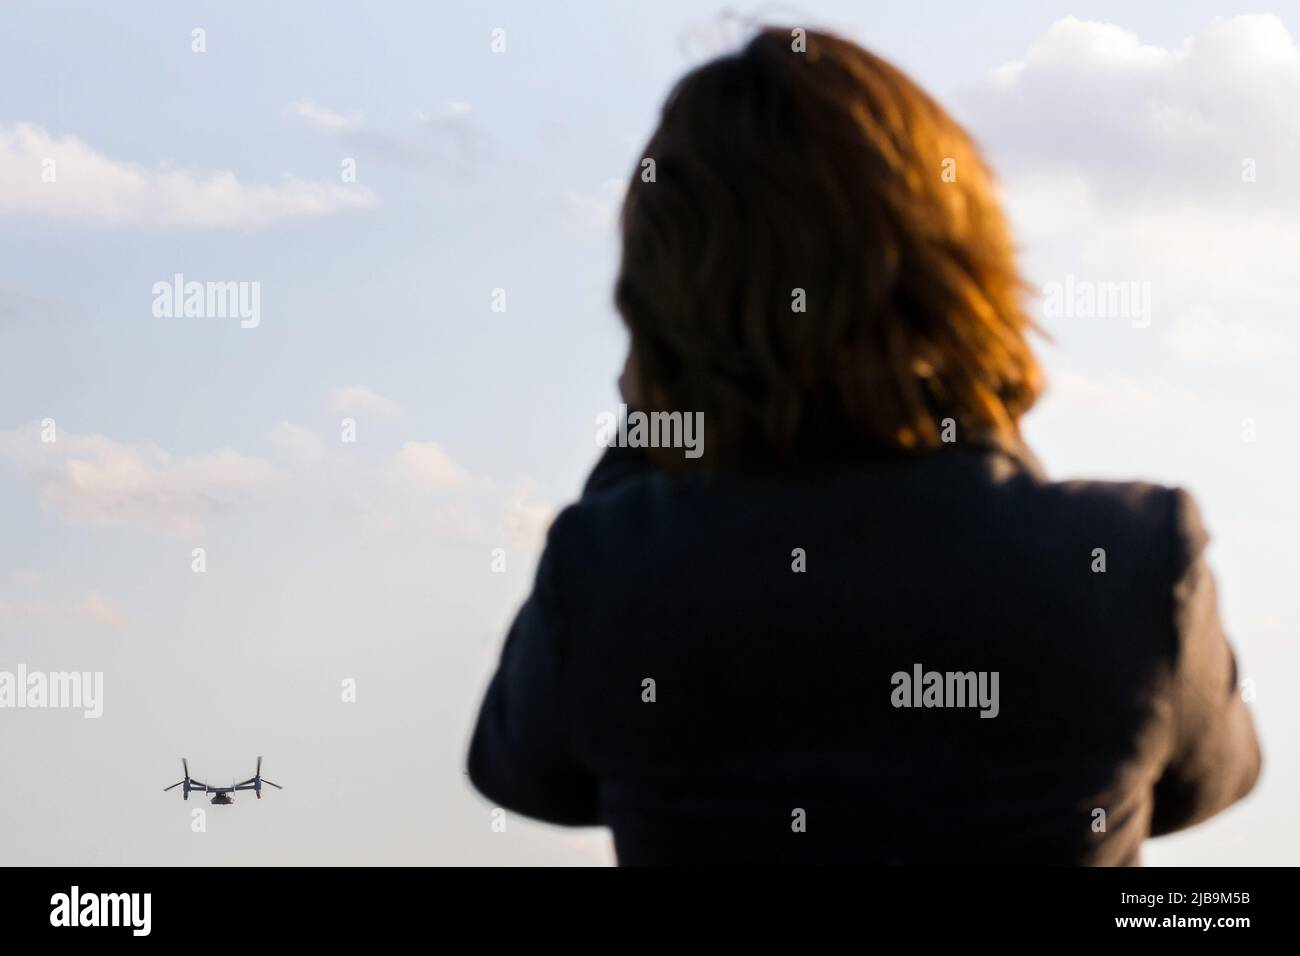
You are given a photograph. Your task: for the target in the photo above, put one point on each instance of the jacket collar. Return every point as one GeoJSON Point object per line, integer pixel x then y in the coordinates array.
{"type": "Point", "coordinates": [1013, 448]}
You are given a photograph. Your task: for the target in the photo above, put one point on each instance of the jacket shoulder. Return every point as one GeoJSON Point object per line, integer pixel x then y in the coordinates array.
{"type": "Point", "coordinates": [1160, 517]}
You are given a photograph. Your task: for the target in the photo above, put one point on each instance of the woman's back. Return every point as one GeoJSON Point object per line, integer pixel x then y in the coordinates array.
{"type": "Point", "coordinates": [894, 660]}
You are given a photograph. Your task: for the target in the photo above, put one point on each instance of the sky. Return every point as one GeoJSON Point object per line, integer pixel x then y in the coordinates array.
{"type": "Point", "coordinates": [428, 224]}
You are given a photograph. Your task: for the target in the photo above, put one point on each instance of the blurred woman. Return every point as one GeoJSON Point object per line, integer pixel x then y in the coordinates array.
{"type": "Point", "coordinates": [862, 626]}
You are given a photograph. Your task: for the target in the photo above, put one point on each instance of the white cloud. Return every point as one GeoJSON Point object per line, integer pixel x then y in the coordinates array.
{"type": "Point", "coordinates": [93, 189]}
{"type": "Point", "coordinates": [297, 442]}
{"type": "Point", "coordinates": [327, 119]}
{"type": "Point", "coordinates": [1091, 97]}
{"type": "Point", "coordinates": [1143, 124]}
{"type": "Point", "coordinates": [358, 398]}
{"type": "Point", "coordinates": [425, 466]}
{"type": "Point", "coordinates": [1123, 160]}
{"type": "Point", "coordinates": [95, 481]}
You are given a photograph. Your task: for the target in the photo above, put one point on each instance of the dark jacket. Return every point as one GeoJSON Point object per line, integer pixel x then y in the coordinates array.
{"type": "Point", "coordinates": [774, 731]}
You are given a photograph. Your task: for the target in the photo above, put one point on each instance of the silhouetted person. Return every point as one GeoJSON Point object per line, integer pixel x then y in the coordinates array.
{"type": "Point", "coordinates": [862, 626]}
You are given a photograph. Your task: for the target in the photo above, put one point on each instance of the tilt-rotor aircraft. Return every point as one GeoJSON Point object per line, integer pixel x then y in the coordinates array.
{"type": "Point", "coordinates": [221, 795]}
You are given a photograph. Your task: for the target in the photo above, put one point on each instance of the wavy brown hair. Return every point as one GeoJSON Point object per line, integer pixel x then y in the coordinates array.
{"type": "Point", "coordinates": [831, 172]}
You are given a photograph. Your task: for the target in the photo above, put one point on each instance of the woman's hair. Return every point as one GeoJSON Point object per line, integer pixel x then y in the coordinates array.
{"type": "Point", "coordinates": [817, 261]}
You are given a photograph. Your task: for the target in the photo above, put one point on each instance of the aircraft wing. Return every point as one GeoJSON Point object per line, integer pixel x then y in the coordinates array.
{"type": "Point", "coordinates": [246, 785]}
{"type": "Point", "coordinates": [199, 785]}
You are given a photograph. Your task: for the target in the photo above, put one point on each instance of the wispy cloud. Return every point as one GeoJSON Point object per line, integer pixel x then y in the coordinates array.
{"type": "Point", "coordinates": [358, 398]}
{"type": "Point", "coordinates": [94, 481]}
{"type": "Point", "coordinates": [425, 466]}
{"type": "Point", "coordinates": [447, 140]}
{"type": "Point", "coordinates": [454, 141]}
{"type": "Point", "coordinates": [90, 188]}
{"type": "Point", "coordinates": [327, 119]}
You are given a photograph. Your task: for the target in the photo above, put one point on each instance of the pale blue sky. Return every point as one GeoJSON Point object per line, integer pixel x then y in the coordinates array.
{"type": "Point", "coordinates": [1120, 158]}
